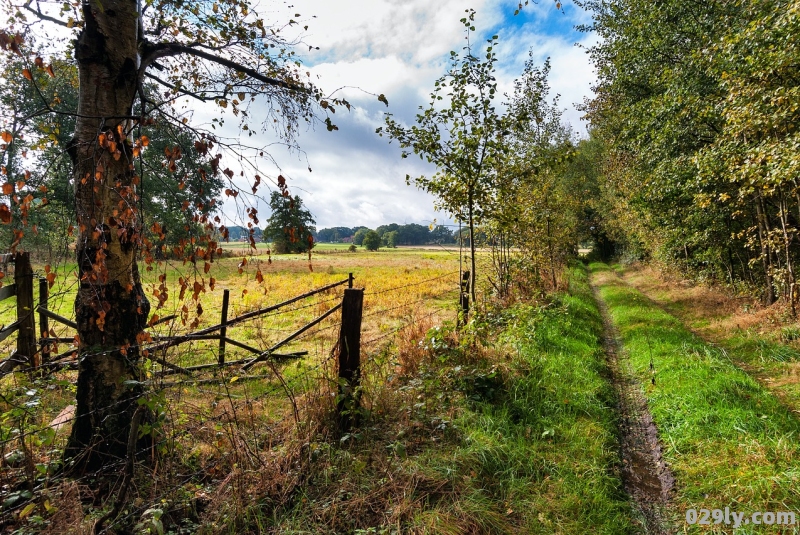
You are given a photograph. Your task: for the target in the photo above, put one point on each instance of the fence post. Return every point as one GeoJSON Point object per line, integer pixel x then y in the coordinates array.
{"type": "Point", "coordinates": [349, 358]}
{"type": "Point", "coordinates": [44, 326]}
{"type": "Point", "coordinates": [26, 337]}
{"type": "Point", "coordinates": [349, 280]}
{"type": "Point", "coordinates": [465, 293]}
{"type": "Point", "coordinates": [223, 332]}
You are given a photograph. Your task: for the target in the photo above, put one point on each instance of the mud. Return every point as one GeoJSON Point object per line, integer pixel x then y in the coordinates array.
{"type": "Point", "coordinates": [646, 477]}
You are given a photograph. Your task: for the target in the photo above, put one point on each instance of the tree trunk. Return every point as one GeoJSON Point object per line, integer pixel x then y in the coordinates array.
{"type": "Point", "coordinates": [472, 247]}
{"type": "Point", "coordinates": [110, 308]}
{"type": "Point", "coordinates": [766, 256]}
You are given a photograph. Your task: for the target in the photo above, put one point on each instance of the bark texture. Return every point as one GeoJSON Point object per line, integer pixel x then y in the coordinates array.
{"type": "Point", "coordinates": [110, 308]}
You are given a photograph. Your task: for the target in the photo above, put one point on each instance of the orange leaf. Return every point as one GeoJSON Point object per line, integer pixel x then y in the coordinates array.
{"type": "Point", "coordinates": [51, 279]}
{"type": "Point", "coordinates": [206, 268]}
{"type": "Point", "coordinates": [27, 74]}
{"type": "Point", "coordinates": [8, 188]}
{"type": "Point", "coordinates": [49, 70]}
{"type": "Point", "coordinates": [259, 276]}
{"type": "Point", "coordinates": [5, 214]}
{"type": "Point", "coordinates": [7, 137]}
{"type": "Point", "coordinates": [211, 283]}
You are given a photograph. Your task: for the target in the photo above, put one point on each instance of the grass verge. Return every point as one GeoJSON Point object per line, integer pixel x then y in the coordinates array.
{"type": "Point", "coordinates": [512, 436]}
{"type": "Point", "coordinates": [729, 441]}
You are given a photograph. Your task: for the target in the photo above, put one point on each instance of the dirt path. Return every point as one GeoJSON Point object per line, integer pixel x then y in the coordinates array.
{"type": "Point", "coordinates": [647, 478]}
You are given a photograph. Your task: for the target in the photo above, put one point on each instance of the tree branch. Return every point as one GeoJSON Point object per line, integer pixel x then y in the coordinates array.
{"type": "Point", "coordinates": [152, 52]}
{"type": "Point", "coordinates": [38, 13]}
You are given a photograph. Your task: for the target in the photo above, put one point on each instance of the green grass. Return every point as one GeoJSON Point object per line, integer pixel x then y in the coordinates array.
{"type": "Point", "coordinates": [519, 438]}
{"type": "Point", "coordinates": [547, 446]}
{"type": "Point", "coordinates": [729, 441]}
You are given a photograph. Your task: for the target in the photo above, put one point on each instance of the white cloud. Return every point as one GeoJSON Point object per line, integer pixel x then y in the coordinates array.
{"type": "Point", "coordinates": [398, 48]}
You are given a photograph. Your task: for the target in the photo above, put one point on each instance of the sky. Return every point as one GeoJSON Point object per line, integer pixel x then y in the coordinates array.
{"type": "Point", "coordinates": [399, 48]}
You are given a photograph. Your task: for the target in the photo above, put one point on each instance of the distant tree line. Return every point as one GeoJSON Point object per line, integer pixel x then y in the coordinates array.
{"type": "Point", "coordinates": [390, 235]}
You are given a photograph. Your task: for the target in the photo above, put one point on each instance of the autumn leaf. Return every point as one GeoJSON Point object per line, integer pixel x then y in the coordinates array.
{"type": "Point", "coordinates": [5, 214]}
{"type": "Point", "coordinates": [27, 74]}
{"type": "Point", "coordinates": [49, 70]}
{"type": "Point", "coordinates": [259, 276]}
{"type": "Point", "coordinates": [8, 188]}
{"type": "Point", "coordinates": [7, 137]}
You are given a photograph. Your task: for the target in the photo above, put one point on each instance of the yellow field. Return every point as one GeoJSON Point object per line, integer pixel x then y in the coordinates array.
{"type": "Point", "coordinates": [406, 292]}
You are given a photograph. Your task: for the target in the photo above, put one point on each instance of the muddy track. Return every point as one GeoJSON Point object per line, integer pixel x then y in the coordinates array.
{"type": "Point", "coordinates": [646, 477]}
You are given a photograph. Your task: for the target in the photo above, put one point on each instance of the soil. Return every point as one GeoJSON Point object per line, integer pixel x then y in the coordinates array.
{"type": "Point", "coordinates": [648, 480]}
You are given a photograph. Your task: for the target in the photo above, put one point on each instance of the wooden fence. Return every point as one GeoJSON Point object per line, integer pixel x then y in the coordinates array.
{"type": "Point", "coordinates": [35, 353]}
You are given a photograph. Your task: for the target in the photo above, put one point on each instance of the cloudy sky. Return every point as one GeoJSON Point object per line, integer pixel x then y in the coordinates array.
{"type": "Point", "coordinates": [399, 48]}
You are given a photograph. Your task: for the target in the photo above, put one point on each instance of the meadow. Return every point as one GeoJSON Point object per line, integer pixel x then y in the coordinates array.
{"type": "Point", "coordinates": [216, 416]}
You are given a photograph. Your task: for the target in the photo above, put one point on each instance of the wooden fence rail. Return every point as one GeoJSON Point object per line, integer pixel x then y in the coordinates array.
{"type": "Point", "coordinates": [37, 355]}
{"type": "Point", "coordinates": [25, 327]}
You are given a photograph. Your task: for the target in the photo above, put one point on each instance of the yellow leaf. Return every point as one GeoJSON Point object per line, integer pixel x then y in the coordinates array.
{"type": "Point", "coordinates": [234, 379]}
{"type": "Point", "coordinates": [28, 510]}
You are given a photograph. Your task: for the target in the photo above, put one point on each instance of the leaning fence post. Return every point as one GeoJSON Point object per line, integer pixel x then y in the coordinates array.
{"type": "Point", "coordinates": [349, 357]}
{"type": "Point", "coordinates": [223, 332]}
{"type": "Point", "coordinates": [44, 326]}
{"type": "Point", "coordinates": [26, 337]}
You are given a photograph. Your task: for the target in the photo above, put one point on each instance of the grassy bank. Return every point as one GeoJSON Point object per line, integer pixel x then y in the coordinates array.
{"type": "Point", "coordinates": [512, 436]}
{"type": "Point", "coordinates": [765, 341]}
{"type": "Point", "coordinates": [729, 441]}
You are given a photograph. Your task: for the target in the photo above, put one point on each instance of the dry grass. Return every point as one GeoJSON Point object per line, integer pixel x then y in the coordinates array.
{"type": "Point", "coordinates": [229, 447]}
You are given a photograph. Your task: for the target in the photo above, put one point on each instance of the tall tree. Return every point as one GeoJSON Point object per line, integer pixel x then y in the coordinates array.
{"type": "Point", "coordinates": [222, 54]}
{"type": "Point", "coordinates": [290, 228]}
{"type": "Point", "coordinates": [460, 132]}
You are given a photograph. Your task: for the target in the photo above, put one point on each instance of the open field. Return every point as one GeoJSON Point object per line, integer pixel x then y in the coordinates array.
{"type": "Point", "coordinates": [428, 278]}
{"type": "Point", "coordinates": [199, 418]}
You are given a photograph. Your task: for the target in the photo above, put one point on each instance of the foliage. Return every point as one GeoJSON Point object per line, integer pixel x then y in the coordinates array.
{"type": "Point", "coordinates": [290, 227]}
{"type": "Point", "coordinates": [371, 241]}
{"type": "Point", "coordinates": [389, 239]}
{"type": "Point", "coordinates": [358, 237]}
{"type": "Point", "coordinates": [460, 132]}
{"type": "Point", "coordinates": [698, 118]}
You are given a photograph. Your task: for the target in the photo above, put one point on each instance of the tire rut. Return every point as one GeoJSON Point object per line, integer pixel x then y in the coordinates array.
{"type": "Point", "coordinates": [646, 477]}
